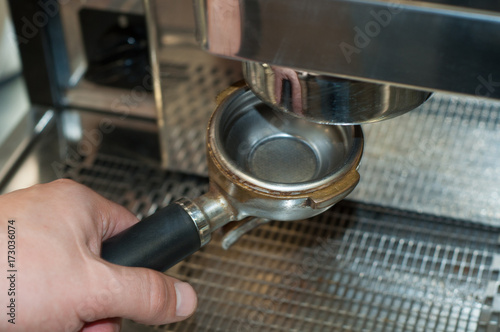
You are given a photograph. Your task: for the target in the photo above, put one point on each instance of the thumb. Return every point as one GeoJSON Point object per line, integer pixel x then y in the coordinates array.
{"type": "Point", "coordinates": [148, 297]}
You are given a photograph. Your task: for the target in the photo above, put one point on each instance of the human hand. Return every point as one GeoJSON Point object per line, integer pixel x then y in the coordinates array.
{"type": "Point", "coordinates": [61, 283]}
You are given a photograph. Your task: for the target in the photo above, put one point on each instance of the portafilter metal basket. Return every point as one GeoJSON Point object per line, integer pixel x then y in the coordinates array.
{"type": "Point", "coordinates": [262, 164]}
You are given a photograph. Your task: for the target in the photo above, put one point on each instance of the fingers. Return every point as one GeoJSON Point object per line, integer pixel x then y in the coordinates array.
{"type": "Point", "coordinates": [115, 218]}
{"type": "Point", "coordinates": [110, 218]}
{"type": "Point", "coordinates": [147, 296]}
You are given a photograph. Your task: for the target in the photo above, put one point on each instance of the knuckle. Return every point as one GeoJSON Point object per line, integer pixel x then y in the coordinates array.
{"type": "Point", "coordinates": [70, 187]}
{"type": "Point", "coordinates": [65, 183]}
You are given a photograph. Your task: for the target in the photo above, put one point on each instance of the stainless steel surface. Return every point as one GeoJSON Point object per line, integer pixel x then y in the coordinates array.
{"type": "Point", "coordinates": [69, 10]}
{"type": "Point", "coordinates": [187, 81]}
{"type": "Point", "coordinates": [326, 99]}
{"type": "Point", "coordinates": [442, 159]}
{"type": "Point", "coordinates": [237, 231]}
{"type": "Point", "coordinates": [80, 92]}
{"type": "Point", "coordinates": [14, 105]}
{"type": "Point", "coordinates": [434, 46]}
{"type": "Point", "coordinates": [88, 95]}
{"type": "Point", "coordinates": [128, 6]}
{"type": "Point", "coordinates": [422, 256]}
{"type": "Point", "coordinates": [354, 268]}
{"type": "Point", "coordinates": [491, 5]}
{"type": "Point", "coordinates": [140, 187]}
{"type": "Point", "coordinates": [29, 129]}
{"type": "Point", "coordinates": [10, 63]}
{"type": "Point", "coordinates": [34, 152]}
{"type": "Point", "coordinates": [20, 123]}
{"type": "Point", "coordinates": [216, 208]}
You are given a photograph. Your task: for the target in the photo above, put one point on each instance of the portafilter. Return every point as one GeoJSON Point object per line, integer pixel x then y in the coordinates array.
{"type": "Point", "coordinates": [261, 163]}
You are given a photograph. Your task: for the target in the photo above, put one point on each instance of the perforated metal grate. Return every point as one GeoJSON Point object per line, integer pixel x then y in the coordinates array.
{"type": "Point", "coordinates": [139, 187]}
{"type": "Point", "coordinates": [354, 268]}
{"type": "Point", "coordinates": [190, 84]}
{"type": "Point", "coordinates": [441, 159]}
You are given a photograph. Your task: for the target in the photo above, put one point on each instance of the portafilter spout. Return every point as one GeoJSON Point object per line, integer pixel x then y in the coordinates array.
{"type": "Point", "coordinates": [261, 164]}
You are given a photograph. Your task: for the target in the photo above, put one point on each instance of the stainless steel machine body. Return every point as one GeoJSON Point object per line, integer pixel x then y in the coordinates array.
{"type": "Point", "coordinates": [415, 247]}
{"type": "Point", "coordinates": [437, 45]}
{"type": "Point", "coordinates": [388, 45]}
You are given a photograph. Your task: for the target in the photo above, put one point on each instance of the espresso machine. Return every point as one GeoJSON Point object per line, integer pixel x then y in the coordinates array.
{"type": "Point", "coordinates": [125, 90]}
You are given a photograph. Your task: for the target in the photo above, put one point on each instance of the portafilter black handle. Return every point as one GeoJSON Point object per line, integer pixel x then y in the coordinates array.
{"type": "Point", "coordinates": [157, 242]}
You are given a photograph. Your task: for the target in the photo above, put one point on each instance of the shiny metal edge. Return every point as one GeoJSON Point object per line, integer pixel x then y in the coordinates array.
{"type": "Point", "coordinates": [21, 139]}
{"type": "Point", "coordinates": [153, 38]}
{"type": "Point", "coordinates": [327, 99]}
{"type": "Point", "coordinates": [198, 218]}
{"type": "Point", "coordinates": [376, 41]}
{"type": "Point", "coordinates": [129, 6]}
{"type": "Point", "coordinates": [236, 233]}
{"type": "Point", "coordinates": [125, 102]}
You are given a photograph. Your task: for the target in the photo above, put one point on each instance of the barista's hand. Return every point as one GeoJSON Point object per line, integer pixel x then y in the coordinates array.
{"type": "Point", "coordinates": [61, 283]}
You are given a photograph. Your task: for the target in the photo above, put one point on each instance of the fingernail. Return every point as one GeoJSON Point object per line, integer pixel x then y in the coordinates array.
{"type": "Point", "coordinates": [186, 299]}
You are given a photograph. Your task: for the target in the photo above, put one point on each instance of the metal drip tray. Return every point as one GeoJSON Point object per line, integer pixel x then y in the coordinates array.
{"type": "Point", "coordinates": [354, 268]}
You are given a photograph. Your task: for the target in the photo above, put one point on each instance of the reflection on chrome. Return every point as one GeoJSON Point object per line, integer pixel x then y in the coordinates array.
{"type": "Point", "coordinates": [328, 99]}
